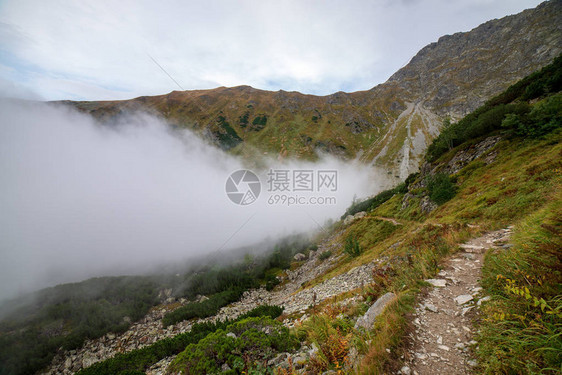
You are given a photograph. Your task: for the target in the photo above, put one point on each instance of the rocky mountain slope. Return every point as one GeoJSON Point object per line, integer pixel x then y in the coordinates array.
{"type": "Point", "coordinates": [389, 125]}
{"type": "Point", "coordinates": [448, 276]}
{"type": "Point", "coordinates": [481, 221]}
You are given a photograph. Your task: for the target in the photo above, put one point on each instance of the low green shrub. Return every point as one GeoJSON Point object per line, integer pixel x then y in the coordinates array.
{"type": "Point", "coordinates": [352, 247]}
{"type": "Point", "coordinates": [259, 123]}
{"type": "Point", "coordinates": [239, 347]}
{"type": "Point", "coordinates": [217, 280]}
{"type": "Point", "coordinates": [325, 255]}
{"type": "Point", "coordinates": [226, 135]}
{"type": "Point", "coordinates": [372, 203]}
{"type": "Point", "coordinates": [141, 359]}
{"type": "Point", "coordinates": [271, 282]}
{"type": "Point", "coordinates": [202, 309]}
{"type": "Point", "coordinates": [410, 179]}
{"type": "Point", "coordinates": [545, 117]}
{"type": "Point", "coordinates": [441, 188]}
{"type": "Point", "coordinates": [271, 311]}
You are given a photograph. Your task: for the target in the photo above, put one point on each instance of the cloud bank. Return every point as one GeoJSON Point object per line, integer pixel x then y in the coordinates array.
{"type": "Point", "coordinates": [80, 199]}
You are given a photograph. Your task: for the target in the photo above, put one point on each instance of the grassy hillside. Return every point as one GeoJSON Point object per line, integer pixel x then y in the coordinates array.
{"type": "Point", "coordinates": [520, 186]}
{"type": "Point", "coordinates": [499, 166]}
{"type": "Point", "coordinates": [518, 181]}
{"type": "Point", "coordinates": [460, 193]}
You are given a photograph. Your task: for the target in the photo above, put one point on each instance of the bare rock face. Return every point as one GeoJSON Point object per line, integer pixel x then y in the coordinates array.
{"type": "Point", "coordinates": [462, 158]}
{"type": "Point", "coordinates": [482, 151]}
{"type": "Point", "coordinates": [488, 59]}
{"type": "Point", "coordinates": [351, 218]}
{"type": "Point", "coordinates": [457, 74]}
{"type": "Point", "coordinates": [367, 320]}
{"type": "Point", "coordinates": [427, 205]}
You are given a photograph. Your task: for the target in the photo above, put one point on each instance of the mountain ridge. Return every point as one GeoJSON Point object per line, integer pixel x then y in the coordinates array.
{"type": "Point", "coordinates": [389, 125]}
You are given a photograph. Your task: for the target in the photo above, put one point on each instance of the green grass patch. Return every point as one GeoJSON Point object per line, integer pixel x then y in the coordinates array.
{"type": "Point", "coordinates": [521, 330]}
{"type": "Point", "coordinates": [372, 203]}
{"type": "Point", "coordinates": [202, 309]}
{"type": "Point", "coordinates": [352, 247]}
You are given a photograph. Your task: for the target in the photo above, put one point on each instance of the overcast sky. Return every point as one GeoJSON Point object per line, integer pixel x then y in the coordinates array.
{"type": "Point", "coordinates": [62, 49]}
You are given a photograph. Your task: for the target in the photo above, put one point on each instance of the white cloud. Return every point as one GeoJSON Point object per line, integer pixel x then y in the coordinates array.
{"type": "Point", "coordinates": [312, 46]}
{"type": "Point", "coordinates": [80, 200]}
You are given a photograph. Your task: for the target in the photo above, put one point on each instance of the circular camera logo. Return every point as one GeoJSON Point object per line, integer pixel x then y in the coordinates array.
{"type": "Point", "coordinates": [243, 187]}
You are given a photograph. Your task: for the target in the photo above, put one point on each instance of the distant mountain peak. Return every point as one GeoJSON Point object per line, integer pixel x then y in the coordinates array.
{"type": "Point", "coordinates": [389, 125]}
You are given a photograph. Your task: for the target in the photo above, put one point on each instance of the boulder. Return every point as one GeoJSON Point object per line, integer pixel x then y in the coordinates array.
{"type": "Point", "coordinates": [427, 205]}
{"type": "Point", "coordinates": [348, 220]}
{"type": "Point", "coordinates": [278, 360]}
{"type": "Point", "coordinates": [351, 218]}
{"type": "Point", "coordinates": [430, 307]}
{"type": "Point", "coordinates": [88, 359]}
{"type": "Point", "coordinates": [359, 215]}
{"type": "Point", "coordinates": [367, 320]}
{"type": "Point", "coordinates": [484, 299]}
{"type": "Point", "coordinates": [299, 257]}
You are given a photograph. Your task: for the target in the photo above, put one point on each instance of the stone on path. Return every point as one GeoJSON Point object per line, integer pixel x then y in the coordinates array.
{"type": "Point", "coordinates": [440, 283]}
{"type": "Point", "coordinates": [484, 299]}
{"type": "Point", "coordinates": [367, 320]}
{"type": "Point", "coordinates": [430, 307]}
{"type": "Point", "coordinates": [464, 298]}
{"type": "Point", "coordinates": [471, 247]}
{"type": "Point", "coordinates": [439, 345]}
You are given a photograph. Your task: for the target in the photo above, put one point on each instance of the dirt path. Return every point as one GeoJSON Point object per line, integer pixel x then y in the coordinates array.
{"type": "Point", "coordinates": [443, 337]}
